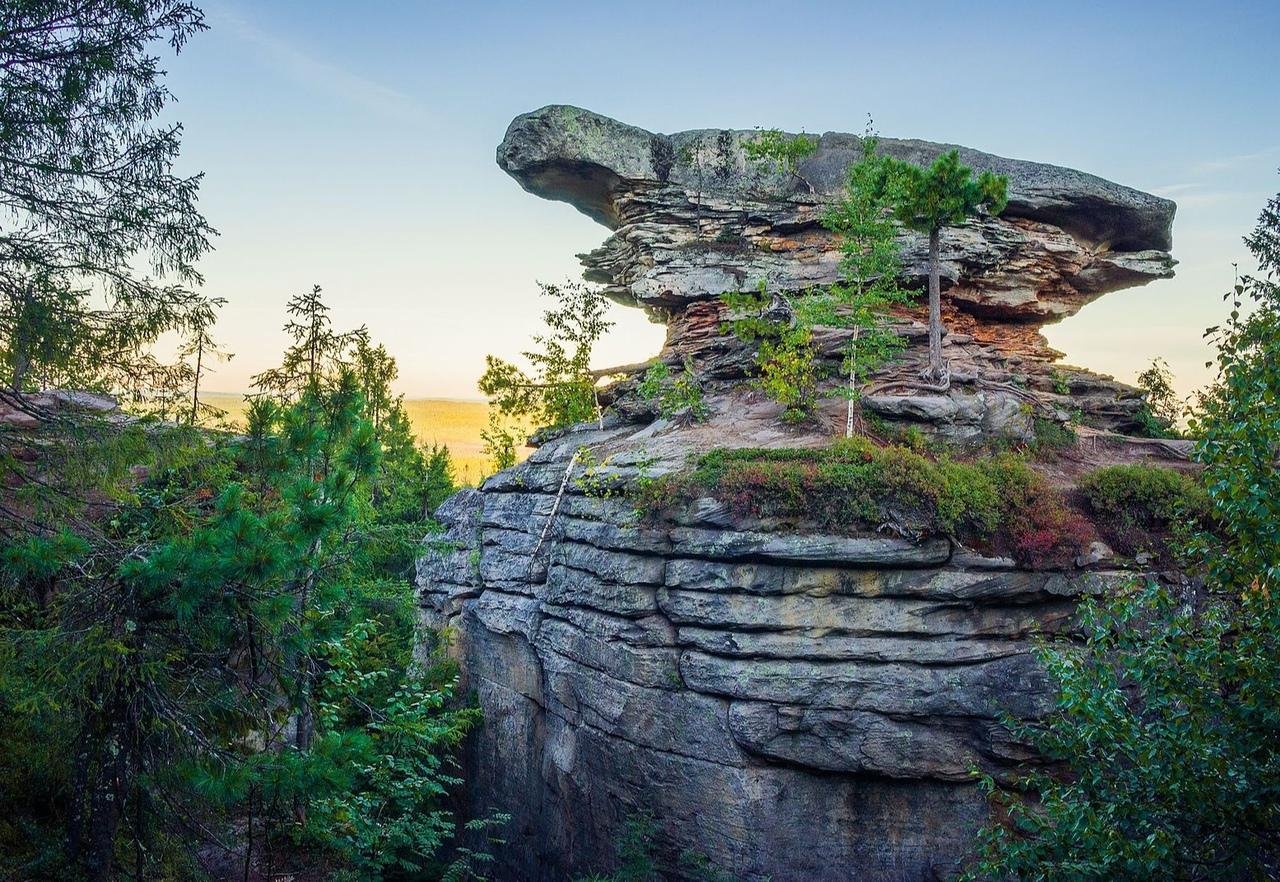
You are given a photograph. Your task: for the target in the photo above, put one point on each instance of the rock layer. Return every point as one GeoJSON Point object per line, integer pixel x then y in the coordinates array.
{"type": "Point", "coordinates": [792, 706]}
{"type": "Point", "coordinates": [692, 217]}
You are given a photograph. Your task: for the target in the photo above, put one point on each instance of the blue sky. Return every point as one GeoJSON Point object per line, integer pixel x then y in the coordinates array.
{"type": "Point", "coordinates": [351, 145]}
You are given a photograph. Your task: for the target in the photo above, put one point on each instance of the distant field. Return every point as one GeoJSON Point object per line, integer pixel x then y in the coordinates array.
{"type": "Point", "coordinates": [456, 424]}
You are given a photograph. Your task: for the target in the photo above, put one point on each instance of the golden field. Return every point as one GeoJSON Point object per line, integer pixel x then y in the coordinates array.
{"type": "Point", "coordinates": [455, 424]}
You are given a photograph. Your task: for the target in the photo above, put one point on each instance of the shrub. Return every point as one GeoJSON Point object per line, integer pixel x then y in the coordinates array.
{"type": "Point", "coordinates": [1161, 406]}
{"type": "Point", "coordinates": [1139, 506]}
{"type": "Point", "coordinates": [679, 397]}
{"type": "Point", "coordinates": [1051, 435]}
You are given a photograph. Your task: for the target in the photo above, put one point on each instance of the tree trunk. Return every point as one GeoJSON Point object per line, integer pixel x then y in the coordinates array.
{"type": "Point", "coordinates": [853, 388]}
{"type": "Point", "coordinates": [104, 808]}
{"type": "Point", "coordinates": [936, 370]}
{"type": "Point", "coordinates": [79, 796]}
{"type": "Point", "coordinates": [195, 385]}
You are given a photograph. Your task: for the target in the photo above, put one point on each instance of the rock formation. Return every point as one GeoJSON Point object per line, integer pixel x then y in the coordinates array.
{"type": "Point", "coordinates": [693, 217]}
{"type": "Point", "coordinates": [791, 705]}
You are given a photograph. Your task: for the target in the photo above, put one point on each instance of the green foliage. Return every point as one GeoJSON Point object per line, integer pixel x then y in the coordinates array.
{"type": "Point", "coordinates": [1164, 745]}
{"type": "Point", "coordinates": [1163, 748]}
{"type": "Point", "coordinates": [560, 390]}
{"type": "Point", "coordinates": [235, 589]}
{"type": "Point", "coordinates": [784, 151]}
{"type": "Point", "coordinates": [699, 868]}
{"type": "Point", "coordinates": [316, 353]}
{"type": "Point", "coordinates": [855, 485]}
{"type": "Point", "coordinates": [1161, 406]}
{"type": "Point", "coordinates": [499, 442]}
{"type": "Point", "coordinates": [943, 195]}
{"type": "Point", "coordinates": [1138, 507]}
{"type": "Point", "coordinates": [786, 357]}
{"type": "Point", "coordinates": [788, 373]}
{"type": "Point", "coordinates": [100, 236]}
{"type": "Point", "coordinates": [678, 397]}
{"type": "Point", "coordinates": [1238, 424]}
{"type": "Point", "coordinates": [1052, 436]}
{"type": "Point", "coordinates": [378, 773]}
{"type": "Point", "coordinates": [930, 200]}
{"type": "Point", "coordinates": [635, 850]}
{"type": "Point", "coordinates": [870, 270]}
{"type": "Point", "coordinates": [439, 479]}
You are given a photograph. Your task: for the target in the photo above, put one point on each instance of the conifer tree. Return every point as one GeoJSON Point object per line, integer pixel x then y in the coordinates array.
{"type": "Point", "coordinates": [99, 236]}
{"type": "Point", "coordinates": [870, 269]}
{"type": "Point", "coordinates": [783, 326]}
{"type": "Point", "coordinates": [930, 200]}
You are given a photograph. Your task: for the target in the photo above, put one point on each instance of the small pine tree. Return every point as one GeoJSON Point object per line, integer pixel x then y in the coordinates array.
{"type": "Point", "coordinates": [930, 200]}
{"type": "Point", "coordinates": [870, 268]}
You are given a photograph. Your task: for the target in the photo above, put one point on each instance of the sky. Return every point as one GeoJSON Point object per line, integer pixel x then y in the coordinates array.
{"type": "Point", "coordinates": [351, 145]}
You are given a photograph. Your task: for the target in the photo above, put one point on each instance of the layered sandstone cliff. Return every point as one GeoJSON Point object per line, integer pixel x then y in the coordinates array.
{"type": "Point", "coordinates": [792, 705]}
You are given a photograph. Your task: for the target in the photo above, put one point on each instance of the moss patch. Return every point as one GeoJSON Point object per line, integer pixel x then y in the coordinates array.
{"type": "Point", "coordinates": [997, 503]}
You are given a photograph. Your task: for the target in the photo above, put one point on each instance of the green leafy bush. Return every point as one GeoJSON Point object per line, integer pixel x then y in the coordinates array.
{"type": "Point", "coordinates": [1051, 436]}
{"type": "Point", "coordinates": [1161, 748]}
{"type": "Point", "coordinates": [786, 357]}
{"type": "Point", "coordinates": [1139, 506]}
{"type": "Point", "coordinates": [1161, 406]}
{"type": "Point", "coordinates": [997, 502]}
{"type": "Point", "coordinates": [635, 852]}
{"type": "Point", "coordinates": [1163, 745]}
{"type": "Point", "coordinates": [678, 397]}
{"type": "Point", "coordinates": [636, 861]}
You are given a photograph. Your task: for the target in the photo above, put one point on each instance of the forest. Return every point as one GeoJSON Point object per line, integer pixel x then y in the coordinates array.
{"type": "Point", "coordinates": [213, 662]}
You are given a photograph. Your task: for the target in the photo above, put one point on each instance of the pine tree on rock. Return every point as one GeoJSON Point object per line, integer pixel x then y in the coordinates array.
{"type": "Point", "coordinates": [870, 270]}
{"type": "Point", "coordinates": [931, 199]}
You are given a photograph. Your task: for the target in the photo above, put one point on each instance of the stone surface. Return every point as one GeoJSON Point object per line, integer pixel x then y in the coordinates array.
{"type": "Point", "coordinates": [693, 217]}
{"type": "Point", "coordinates": [764, 694]}
{"type": "Point", "coordinates": [794, 706]}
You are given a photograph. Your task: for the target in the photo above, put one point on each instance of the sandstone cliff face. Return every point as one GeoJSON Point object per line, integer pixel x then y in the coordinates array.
{"type": "Point", "coordinates": [792, 705]}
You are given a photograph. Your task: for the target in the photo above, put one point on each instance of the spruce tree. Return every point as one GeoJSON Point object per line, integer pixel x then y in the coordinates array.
{"type": "Point", "coordinates": [100, 236]}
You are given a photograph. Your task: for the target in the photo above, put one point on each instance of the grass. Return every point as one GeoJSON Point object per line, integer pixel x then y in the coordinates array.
{"type": "Point", "coordinates": [455, 424]}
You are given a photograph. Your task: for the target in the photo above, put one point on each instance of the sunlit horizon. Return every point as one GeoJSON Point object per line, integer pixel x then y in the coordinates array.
{"type": "Point", "coordinates": [369, 164]}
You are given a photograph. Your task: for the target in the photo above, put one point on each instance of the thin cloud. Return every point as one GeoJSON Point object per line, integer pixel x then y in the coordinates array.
{"type": "Point", "coordinates": [311, 71]}
{"type": "Point", "coordinates": [1195, 194]}
{"type": "Point", "coordinates": [1230, 162]}
{"type": "Point", "coordinates": [1169, 191]}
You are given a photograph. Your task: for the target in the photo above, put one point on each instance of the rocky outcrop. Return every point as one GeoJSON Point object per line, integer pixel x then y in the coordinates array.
{"type": "Point", "coordinates": [791, 705]}
{"type": "Point", "coordinates": [693, 217]}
